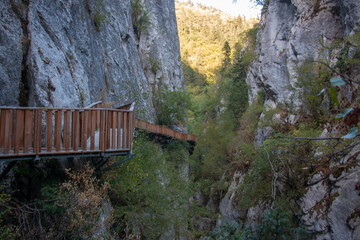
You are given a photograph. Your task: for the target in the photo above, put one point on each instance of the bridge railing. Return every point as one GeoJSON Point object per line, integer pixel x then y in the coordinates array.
{"type": "Point", "coordinates": [46, 131]}
{"type": "Point", "coordinates": [150, 127]}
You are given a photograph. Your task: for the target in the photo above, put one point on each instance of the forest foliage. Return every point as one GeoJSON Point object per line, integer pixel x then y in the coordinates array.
{"type": "Point", "coordinates": [203, 32]}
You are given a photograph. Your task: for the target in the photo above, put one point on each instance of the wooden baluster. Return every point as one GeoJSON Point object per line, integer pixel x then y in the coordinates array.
{"type": "Point", "coordinates": [2, 128]}
{"type": "Point", "coordinates": [102, 143]}
{"type": "Point", "coordinates": [85, 129]}
{"type": "Point", "coordinates": [125, 129]}
{"type": "Point", "coordinates": [113, 137]}
{"type": "Point", "coordinates": [57, 137]}
{"type": "Point", "coordinates": [28, 130]}
{"type": "Point", "coordinates": [37, 131]}
{"type": "Point", "coordinates": [119, 130]}
{"type": "Point", "coordinates": [19, 130]}
{"type": "Point", "coordinates": [49, 130]}
{"type": "Point", "coordinates": [134, 126]}
{"type": "Point", "coordinates": [97, 120]}
{"type": "Point", "coordinates": [76, 130]}
{"type": "Point", "coordinates": [92, 129]}
{"type": "Point", "coordinates": [130, 129]}
{"type": "Point", "coordinates": [81, 123]}
{"type": "Point", "coordinates": [67, 130]}
{"type": "Point", "coordinates": [7, 131]}
{"type": "Point", "coordinates": [108, 126]}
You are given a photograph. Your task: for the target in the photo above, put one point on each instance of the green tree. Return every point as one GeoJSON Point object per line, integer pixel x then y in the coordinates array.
{"type": "Point", "coordinates": [150, 192]}
{"type": "Point", "coordinates": [226, 55]}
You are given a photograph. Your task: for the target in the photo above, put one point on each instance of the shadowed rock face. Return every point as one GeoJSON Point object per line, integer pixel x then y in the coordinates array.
{"type": "Point", "coordinates": [71, 53]}
{"type": "Point", "coordinates": [290, 32]}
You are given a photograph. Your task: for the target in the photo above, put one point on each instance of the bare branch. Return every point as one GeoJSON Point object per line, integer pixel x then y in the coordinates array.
{"type": "Point", "coordinates": [347, 79]}
{"type": "Point", "coordinates": [334, 153]}
{"type": "Point", "coordinates": [305, 138]}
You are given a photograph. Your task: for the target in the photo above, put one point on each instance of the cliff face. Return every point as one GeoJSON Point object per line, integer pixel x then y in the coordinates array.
{"type": "Point", "coordinates": [291, 31]}
{"type": "Point", "coordinates": [160, 50]}
{"type": "Point", "coordinates": [71, 53]}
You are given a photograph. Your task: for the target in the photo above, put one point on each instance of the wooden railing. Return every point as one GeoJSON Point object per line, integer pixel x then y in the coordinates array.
{"type": "Point", "coordinates": [46, 131]}
{"type": "Point", "coordinates": [149, 127]}
{"type": "Point", "coordinates": [60, 131]}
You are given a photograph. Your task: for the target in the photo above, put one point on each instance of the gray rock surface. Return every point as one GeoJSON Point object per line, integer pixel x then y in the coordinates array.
{"type": "Point", "coordinates": [229, 208]}
{"type": "Point", "coordinates": [80, 52]}
{"type": "Point", "coordinates": [290, 32]}
{"type": "Point", "coordinates": [330, 207]}
{"type": "Point", "coordinates": [11, 55]}
{"type": "Point", "coordinates": [161, 36]}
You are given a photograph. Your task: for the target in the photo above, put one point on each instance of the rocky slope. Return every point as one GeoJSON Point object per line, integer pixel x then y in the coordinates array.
{"type": "Point", "coordinates": [292, 31]}
{"type": "Point", "coordinates": [72, 53]}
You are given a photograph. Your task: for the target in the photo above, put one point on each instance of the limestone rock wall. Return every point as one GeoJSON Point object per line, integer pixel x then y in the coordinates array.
{"type": "Point", "coordinates": [71, 53]}
{"type": "Point", "coordinates": [290, 32]}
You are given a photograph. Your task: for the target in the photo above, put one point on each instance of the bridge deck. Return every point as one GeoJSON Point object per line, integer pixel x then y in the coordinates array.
{"type": "Point", "coordinates": [29, 132]}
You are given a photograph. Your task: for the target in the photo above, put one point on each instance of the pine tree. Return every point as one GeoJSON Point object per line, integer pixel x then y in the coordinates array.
{"type": "Point", "coordinates": [227, 52]}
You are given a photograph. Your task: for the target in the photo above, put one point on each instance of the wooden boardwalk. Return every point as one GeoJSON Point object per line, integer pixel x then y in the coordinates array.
{"type": "Point", "coordinates": [37, 132]}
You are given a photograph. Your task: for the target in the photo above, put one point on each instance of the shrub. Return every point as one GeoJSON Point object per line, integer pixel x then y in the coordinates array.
{"type": "Point", "coordinates": [83, 199]}
{"type": "Point", "coordinates": [99, 15]}
{"type": "Point", "coordinates": [7, 230]}
{"type": "Point", "coordinates": [276, 225]}
{"type": "Point", "coordinates": [154, 65]}
{"type": "Point", "coordinates": [140, 18]}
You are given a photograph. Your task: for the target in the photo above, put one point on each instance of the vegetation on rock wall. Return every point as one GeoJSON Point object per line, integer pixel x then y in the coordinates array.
{"type": "Point", "coordinates": [140, 17]}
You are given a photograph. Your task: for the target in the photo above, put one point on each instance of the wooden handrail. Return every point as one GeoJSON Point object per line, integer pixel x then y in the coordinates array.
{"type": "Point", "coordinates": [95, 105]}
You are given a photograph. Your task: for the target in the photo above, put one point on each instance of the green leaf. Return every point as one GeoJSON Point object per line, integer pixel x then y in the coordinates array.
{"type": "Point", "coordinates": [352, 133]}
{"type": "Point", "coordinates": [337, 81]}
{"type": "Point", "coordinates": [333, 96]}
{"type": "Point", "coordinates": [344, 113]}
